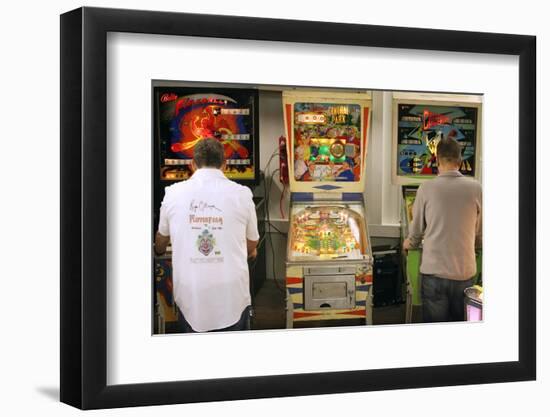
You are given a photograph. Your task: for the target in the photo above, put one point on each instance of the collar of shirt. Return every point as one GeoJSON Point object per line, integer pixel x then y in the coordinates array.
{"type": "Point", "coordinates": [453, 173]}
{"type": "Point", "coordinates": [205, 173]}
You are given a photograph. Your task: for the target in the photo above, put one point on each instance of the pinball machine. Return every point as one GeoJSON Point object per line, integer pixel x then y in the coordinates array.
{"type": "Point", "coordinates": [473, 303]}
{"type": "Point", "coordinates": [419, 123]}
{"type": "Point", "coordinates": [182, 116]}
{"type": "Point", "coordinates": [329, 258]}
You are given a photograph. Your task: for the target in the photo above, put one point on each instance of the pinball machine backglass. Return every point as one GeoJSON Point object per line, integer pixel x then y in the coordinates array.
{"type": "Point", "coordinates": [186, 115]}
{"type": "Point", "coordinates": [419, 123]}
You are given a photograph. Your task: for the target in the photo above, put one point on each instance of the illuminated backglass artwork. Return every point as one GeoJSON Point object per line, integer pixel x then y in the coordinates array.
{"type": "Point", "coordinates": [185, 115]}
{"type": "Point", "coordinates": [327, 142]}
{"type": "Point", "coordinates": [420, 127]}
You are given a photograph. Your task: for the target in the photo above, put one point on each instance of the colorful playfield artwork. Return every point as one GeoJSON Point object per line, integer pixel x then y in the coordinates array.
{"type": "Point", "coordinates": [327, 142]}
{"type": "Point", "coordinates": [185, 116]}
{"type": "Point", "coordinates": [327, 232]}
{"type": "Point", "coordinates": [420, 127]}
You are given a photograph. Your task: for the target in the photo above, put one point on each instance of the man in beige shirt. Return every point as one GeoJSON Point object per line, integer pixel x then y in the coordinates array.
{"type": "Point", "coordinates": [447, 222]}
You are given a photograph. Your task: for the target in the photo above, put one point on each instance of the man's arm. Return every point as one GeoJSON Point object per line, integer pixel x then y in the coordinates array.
{"type": "Point", "coordinates": [162, 237]}
{"type": "Point", "coordinates": [251, 248]}
{"type": "Point", "coordinates": [418, 224]}
{"type": "Point", "coordinates": [161, 242]}
{"type": "Point", "coordinates": [479, 226]}
{"type": "Point", "coordinates": [252, 235]}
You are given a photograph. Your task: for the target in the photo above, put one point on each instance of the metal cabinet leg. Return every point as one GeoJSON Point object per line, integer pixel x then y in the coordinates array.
{"type": "Point", "coordinates": [289, 311]}
{"type": "Point", "coordinates": [368, 307]}
{"type": "Point", "coordinates": [408, 305]}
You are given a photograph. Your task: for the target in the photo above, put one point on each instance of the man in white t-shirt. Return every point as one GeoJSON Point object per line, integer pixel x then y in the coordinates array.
{"type": "Point", "coordinates": [211, 223]}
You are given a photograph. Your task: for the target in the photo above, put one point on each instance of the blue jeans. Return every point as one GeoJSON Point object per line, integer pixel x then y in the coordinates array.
{"type": "Point", "coordinates": [242, 324]}
{"type": "Point", "coordinates": [443, 299]}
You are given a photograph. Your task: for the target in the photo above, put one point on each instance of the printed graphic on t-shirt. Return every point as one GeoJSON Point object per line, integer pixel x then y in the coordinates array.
{"type": "Point", "coordinates": [207, 220]}
{"type": "Point", "coordinates": [206, 242]}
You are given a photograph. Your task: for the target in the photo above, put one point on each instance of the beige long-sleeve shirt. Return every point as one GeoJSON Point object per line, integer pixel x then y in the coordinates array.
{"type": "Point", "coordinates": [447, 215]}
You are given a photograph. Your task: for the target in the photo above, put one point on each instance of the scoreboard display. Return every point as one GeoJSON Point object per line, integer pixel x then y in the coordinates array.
{"type": "Point", "coordinates": [183, 116]}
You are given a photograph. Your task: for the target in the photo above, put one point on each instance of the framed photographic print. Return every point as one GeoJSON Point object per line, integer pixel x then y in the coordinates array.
{"type": "Point", "coordinates": [327, 131]}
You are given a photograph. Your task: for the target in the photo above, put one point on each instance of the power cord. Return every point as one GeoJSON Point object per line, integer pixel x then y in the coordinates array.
{"type": "Point", "coordinates": [267, 191]}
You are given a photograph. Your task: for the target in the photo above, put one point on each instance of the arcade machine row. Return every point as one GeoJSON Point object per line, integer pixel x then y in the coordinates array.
{"type": "Point", "coordinates": [418, 126]}
{"type": "Point", "coordinates": [329, 259]}
{"type": "Point", "coordinates": [182, 117]}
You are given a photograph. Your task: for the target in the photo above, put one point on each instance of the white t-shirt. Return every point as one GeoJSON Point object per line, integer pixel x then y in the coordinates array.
{"type": "Point", "coordinates": [208, 219]}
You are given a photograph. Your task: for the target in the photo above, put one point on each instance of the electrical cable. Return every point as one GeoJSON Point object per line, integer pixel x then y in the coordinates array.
{"type": "Point", "coordinates": [266, 167]}
{"type": "Point", "coordinates": [277, 284]}
{"type": "Point", "coordinates": [267, 190]}
{"type": "Point", "coordinates": [266, 176]}
{"type": "Point", "coordinates": [273, 155]}
{"type": "Point", "coordinates": [254, 262]}
{"type": "Point", "coordinates": [281, 201]}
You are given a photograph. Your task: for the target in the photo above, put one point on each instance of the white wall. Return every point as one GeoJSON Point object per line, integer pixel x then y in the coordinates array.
{"type": "Point", "coordinates": [29, 112]}
{"type": "Point", "coordinates": [271, 128]}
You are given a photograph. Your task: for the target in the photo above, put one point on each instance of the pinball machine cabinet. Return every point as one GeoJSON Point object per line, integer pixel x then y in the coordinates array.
{"type": "Point", "coordinates": [420, 121]}
{"type": "Point", "coordinates": [184, 114]}
{"type": "Point", "coordinates": [329, 258]}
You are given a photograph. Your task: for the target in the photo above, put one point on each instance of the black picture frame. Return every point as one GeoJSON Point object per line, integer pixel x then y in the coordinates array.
{"type": "Point", "coordinates": [84, 207]}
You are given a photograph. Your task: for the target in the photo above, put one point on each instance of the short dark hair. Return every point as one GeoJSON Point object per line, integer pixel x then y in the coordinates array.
{"type": "Point", "coordinates": [449, 151]}
{"type": "Point", "coordinates": [208, 153]}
